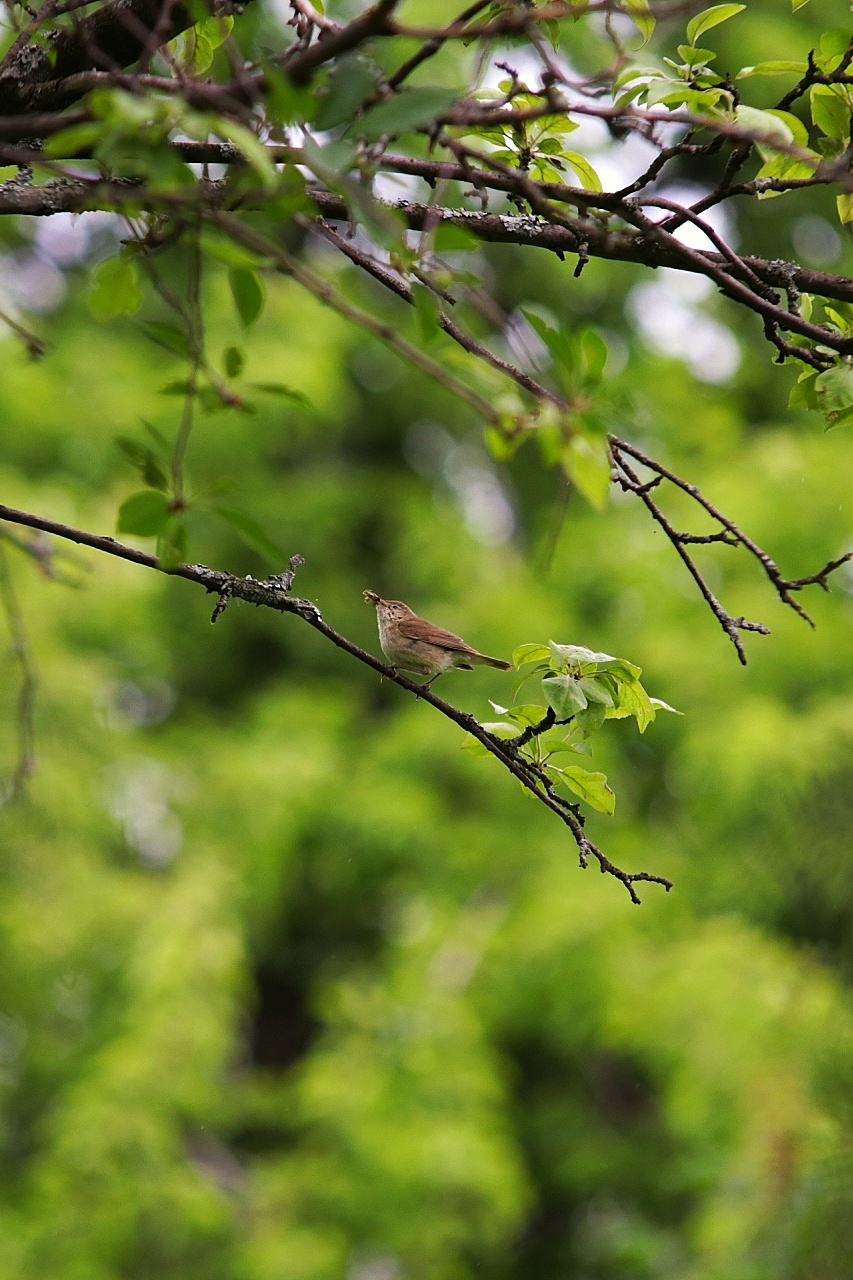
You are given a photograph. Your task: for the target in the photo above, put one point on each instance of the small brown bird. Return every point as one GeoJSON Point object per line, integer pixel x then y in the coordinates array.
{"type": "Point", "coordinates": [413, 644]}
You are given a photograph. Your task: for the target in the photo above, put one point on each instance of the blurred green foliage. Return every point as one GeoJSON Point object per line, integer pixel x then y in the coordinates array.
{"type": "Point", "coordinates": [292, 987]}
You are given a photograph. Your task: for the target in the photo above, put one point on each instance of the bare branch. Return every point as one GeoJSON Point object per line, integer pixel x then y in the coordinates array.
{"type": "Point", "coordinates": [628, 479]}
{"type": "Point", "coordinates": [650, 244]}
{"type": "Point", "coordinates": [784, 587]}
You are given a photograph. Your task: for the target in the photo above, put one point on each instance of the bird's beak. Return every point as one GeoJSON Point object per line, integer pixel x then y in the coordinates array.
{"type": "Point", "coordinates": [371, 597]}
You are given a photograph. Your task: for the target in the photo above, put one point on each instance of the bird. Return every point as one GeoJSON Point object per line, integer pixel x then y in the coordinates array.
{"type": "Point", "coordinates": [413, 644]}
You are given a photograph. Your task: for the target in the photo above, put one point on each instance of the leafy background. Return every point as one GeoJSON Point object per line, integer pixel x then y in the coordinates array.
{"type": "Point", "coordinates": [292, 987]}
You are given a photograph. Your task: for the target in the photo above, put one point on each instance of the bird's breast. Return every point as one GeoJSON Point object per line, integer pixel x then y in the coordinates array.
{"type": "Point", "coordinates": [402, 650]}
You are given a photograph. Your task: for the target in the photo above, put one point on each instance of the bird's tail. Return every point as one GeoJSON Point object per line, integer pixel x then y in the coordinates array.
{"type": "Point", "coordinates": [491, 662]}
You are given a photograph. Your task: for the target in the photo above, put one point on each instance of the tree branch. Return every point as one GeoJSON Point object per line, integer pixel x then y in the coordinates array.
{"type": "Point", "coordinates": [784, 587]}
{"type": "Point", "coordinates": [587, 235]}
{"type": "Point", "coordinates": [114, 36]}
{"type": "Point", "coordinates": [272, 594]}
{"type": "Point", "coordinates": [628, 479]}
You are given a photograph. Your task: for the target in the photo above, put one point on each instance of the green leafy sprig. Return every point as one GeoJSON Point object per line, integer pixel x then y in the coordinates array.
{"type": "Point", "coordinates": [581, 689]}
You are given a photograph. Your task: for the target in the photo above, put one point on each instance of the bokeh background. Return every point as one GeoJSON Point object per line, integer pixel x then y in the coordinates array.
{"type": "Point", "coordinates": [294, 988]}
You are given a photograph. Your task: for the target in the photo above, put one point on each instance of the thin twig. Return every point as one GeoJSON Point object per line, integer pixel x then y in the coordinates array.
{"type": "Point", "coordinates": [326, 293]}
{"type": "Point", "coordinates": [782, 585]}
{"type": "Point", "coordinates": [628, 479]}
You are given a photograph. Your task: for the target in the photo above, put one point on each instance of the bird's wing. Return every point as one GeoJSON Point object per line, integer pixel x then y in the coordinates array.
{"type": "Point", "coordinates": [418, 629]}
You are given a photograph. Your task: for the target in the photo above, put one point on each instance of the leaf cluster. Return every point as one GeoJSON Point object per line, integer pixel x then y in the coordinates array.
{"type": "Point", "coordinates": [580, 690]}
{"type": "Point", "coordinates": [536, 145]}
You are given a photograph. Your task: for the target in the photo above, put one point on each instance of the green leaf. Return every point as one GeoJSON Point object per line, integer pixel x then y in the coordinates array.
{"type": "Point", "coordinates": [842, 419]}
{"type": "Point", "coordinates": [122, 108]}
{"type": "Point", "coordinates": [660, 705]}
{"type": "Point", "coordinates": [233, 361]}
{"type": "Point", "coordinates": [168, 336]}
{"type": "Point", "coordinates": [641, 14]}
{"type": "Point", "coordinates": [794, 123]}
{"type": "Point", "coordinates": [767, 124]}
{"type": "Point", "coordinates": [840, 314]}
{"type": "Point", "coordinates": [564, 695]}
{"type": "Point", "coordinates": [253, 533]}
{"type": "Point", "coordinates": [831, 111]}
{"type": "Point", "coordinates": [145, 460]}
{"type": "Point", "coordinates": [248, 293]}
{"type": "Point", "coordinates": [834, 387]}
{"type": "Point", "coordinates": [666, 92]}
{"type": "Point", "coordinates": [711, 18]}
{"type": "Point", "coordinates": [785, 167]}
{"type": "Point", "coordinates": [426, 310]}
{"type": "Point", "coordinates": [588, 662]}
{"type": "Point", "coordinates": [501, 728]}
{"type": "Point", "coordinates": [587, 176]}
{"type": "Point", "coordinates": [352, 80]}
{"type": "Point", "coordinates": [197, 46]}
{"type": "Point", "coordinates": [550, 147]}
{"type": "Point", "coordinates": [564, 352]}
{"type": "Point", "coordinates": [778, 127]}
{"type": "Point", "coordinates": [218, 245]}
{"type": "Point", "coordinates": [833, 46]}
{"type": "Point", "coordinates": [590, 720]}
{"type": "Point", "coordinates": [586, 464]}
{"type": "Point", "coordinates": [172, 543]}
{"type": "Point", "coordinates": [575, 656]}
{"type": "Point", "coordinates": [803, 391]}
{"type": "Point", "coordinates": [216, 30]}
{"type": "Point", "coordinates": [553, 745]}
{"type": "Point", "coordinates": [772, 68]}
{"type": "Point", "coordinates": [551, 27]}
{"type": "Point", "coordinates": [694, 57]}
{"type": "Point", "coordinates": [595, 691]}
{"type": "Point", "coordinates": [116, 289]}
{"type": "Point", "coordinates": [283, 390]}
{"type": "Point", "coordinates": [287, 103]}
{"type": "Point", "coordinates": [409, 110]}
{"type": "Point", "coordinates": [74, 142]}
{"type": "Point", "coordinates": [590, 787]}
{"type": "Point", "coordinates": [501, 447]}
{"type": "Point", "coordinates": [144, 514]}
{"type": "Point", "coordinates": [844, 204]}
{"type": "Point", "coordinates": [633, 701]}
{"type": "Point", "coordinates": [530, 653]}
{"type": "Point", "coordinates": [525, 714]}
{"type": "Point", "coordinates": [594, 351]}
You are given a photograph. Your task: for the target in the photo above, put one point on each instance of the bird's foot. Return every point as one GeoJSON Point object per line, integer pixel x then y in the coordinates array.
{"type": "Point", "coordinates": [426, 684]}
